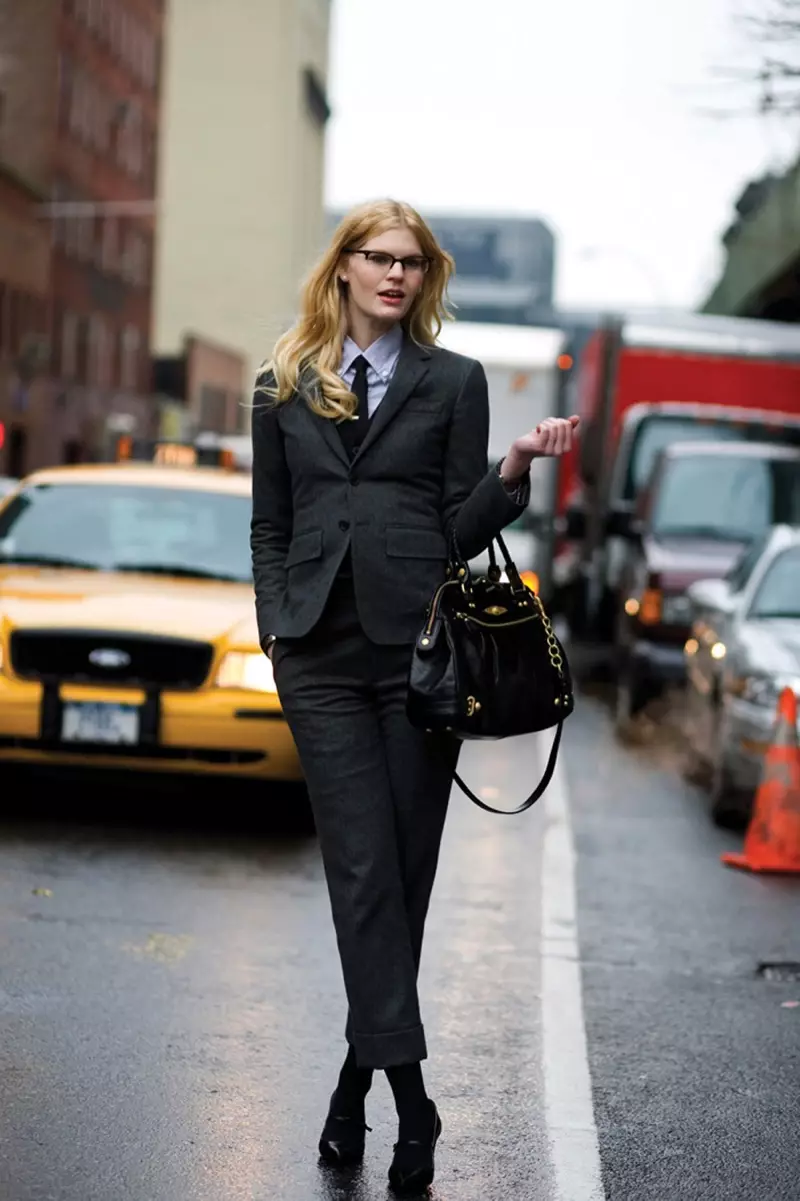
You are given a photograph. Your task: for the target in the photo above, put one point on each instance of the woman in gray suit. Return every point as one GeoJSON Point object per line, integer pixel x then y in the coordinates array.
{"type": "Point", "coordinates": [369, 448]}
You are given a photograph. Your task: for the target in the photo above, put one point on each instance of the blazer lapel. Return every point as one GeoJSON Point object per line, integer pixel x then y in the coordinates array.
{"type": "Point", "coordinates": [411, 367]}
{"type": "Point", "coordinates": [329, 431]}
{"type": "Point", "coordinates": [325, 426]}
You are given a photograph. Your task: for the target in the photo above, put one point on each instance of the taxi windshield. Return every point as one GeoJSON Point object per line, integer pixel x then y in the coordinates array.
{"type": "Point", "coordinates": [123, 527]}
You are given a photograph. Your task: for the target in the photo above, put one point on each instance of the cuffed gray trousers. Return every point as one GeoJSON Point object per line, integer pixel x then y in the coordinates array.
{"type": "Point", "coordinates": [379, 790]}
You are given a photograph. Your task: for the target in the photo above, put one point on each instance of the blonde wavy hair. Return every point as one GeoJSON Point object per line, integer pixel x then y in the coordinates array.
{"type": "Point", "coordinates": [307, 357]}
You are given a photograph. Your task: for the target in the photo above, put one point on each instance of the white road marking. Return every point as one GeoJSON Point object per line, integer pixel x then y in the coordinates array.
{"type": "Point", "coordinates": [569, 1116]}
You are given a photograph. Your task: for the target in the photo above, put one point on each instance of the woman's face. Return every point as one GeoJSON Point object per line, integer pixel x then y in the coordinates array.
{"type": "Point", "coordinates": [379, 289]}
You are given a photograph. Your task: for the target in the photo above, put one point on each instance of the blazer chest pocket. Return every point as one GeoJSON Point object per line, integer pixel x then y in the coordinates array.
{"type": "Point", "coordinates": [423, 406]}
{"type": "Point", "coordinates": [406, 542]}
{"type": "Point", "coordinates": [304, 548]}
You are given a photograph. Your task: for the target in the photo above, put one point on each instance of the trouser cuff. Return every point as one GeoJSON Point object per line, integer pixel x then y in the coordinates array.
{"type": "Point", "coordinates": [389, 1050]}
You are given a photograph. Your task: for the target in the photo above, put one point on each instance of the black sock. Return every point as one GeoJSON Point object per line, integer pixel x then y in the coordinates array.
{"type": "Point", "coordinates": [413, 1106]}
{"type": "Point", "coordinates": [354, 1084]}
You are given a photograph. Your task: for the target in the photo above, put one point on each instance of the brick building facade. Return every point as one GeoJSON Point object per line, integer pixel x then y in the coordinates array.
{"type": "Point", "coordinates": [79, 101]}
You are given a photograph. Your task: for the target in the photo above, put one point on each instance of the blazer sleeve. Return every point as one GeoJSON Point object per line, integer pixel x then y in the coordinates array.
{"type": "Point", "coordinates": [271, 523]}
{"type": "Point", "coordinates": [476, 501]}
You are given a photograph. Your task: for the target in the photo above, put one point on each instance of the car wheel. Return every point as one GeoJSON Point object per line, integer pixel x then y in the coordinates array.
{"type": "Point", "coordinates": [632, 694]}
{"type": "Point", "coordinates": [295, 814]}
{"type": "Point", "coordinates": [730, 806]}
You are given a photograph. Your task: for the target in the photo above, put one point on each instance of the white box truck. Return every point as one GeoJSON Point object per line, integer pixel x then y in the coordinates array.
{"type": "Point", "coordinates": [522, 368]}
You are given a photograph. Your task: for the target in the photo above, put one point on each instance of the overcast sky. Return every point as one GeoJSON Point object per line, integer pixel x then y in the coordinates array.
{"type": "Point", "coordinates": [587, 113]}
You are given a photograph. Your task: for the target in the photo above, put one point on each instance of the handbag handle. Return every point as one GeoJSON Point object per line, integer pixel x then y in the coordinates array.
{"type": "Point", "coordinates": [514, 577]}
{"type": "Point", "coordinates": [535, 795]}
{"type": "Point", "coordinates": [458, 567]}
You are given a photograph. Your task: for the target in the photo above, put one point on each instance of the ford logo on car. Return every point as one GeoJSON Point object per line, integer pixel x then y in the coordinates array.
{"type": "Point", "coordinates": [109, 657]}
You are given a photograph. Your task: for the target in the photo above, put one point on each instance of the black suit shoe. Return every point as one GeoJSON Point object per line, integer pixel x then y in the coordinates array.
{"type": "Point", "coordinates": [412, 1168]}
{"type": "Point", "coordinates": [342, 1138]}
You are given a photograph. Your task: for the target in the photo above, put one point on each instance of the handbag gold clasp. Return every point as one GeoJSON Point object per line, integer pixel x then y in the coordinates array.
{"type": "Point", "coordinates": [473, 706]}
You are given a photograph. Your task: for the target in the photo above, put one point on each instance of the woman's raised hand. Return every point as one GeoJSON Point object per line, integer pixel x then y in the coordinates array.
{"type": "Point", "coordinates": [553, 437]}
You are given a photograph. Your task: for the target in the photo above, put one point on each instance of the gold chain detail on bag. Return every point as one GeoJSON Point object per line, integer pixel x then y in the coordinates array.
{"type": "Point", "coordinates": [552, 642]}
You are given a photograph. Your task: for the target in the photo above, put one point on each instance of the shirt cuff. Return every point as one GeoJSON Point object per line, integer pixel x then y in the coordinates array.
{"type": "Point", "coordinates": [518, 490]}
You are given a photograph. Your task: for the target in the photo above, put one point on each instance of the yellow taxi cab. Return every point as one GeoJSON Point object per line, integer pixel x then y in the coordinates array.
{"type": "Point", "coordinates": [127, 622]}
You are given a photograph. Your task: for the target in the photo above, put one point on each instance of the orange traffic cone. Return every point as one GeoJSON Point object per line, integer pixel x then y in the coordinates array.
{"type": "Point", "coordinates": [772, 842]}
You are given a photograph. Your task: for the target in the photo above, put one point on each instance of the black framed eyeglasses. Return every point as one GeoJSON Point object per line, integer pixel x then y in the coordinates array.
{"type": "Point", "coordinates": [414, 264]}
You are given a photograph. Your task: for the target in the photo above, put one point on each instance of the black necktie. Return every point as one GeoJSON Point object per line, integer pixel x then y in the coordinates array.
{"type": "Point", "coordinates": [353, 431]}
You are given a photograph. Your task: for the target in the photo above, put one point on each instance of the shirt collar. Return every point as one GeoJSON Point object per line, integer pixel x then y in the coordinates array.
{"type": "Point", "coordinates": [382, 355]}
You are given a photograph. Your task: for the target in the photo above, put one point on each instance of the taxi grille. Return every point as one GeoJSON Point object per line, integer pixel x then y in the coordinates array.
{"type": "Point", "coordinates": [106, 657]}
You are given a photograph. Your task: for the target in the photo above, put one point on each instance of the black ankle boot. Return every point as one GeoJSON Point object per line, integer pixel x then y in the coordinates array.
{"type": "Point", "coordinates": [412, 1168]}
{"type": "Point", "coordinates": [342, 1138]}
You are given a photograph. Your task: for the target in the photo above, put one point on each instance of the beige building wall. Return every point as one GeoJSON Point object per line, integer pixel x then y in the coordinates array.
{"type": "Point", "coordinates": [241, 170]}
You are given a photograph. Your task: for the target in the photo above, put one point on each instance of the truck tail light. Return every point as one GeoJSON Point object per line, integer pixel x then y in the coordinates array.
{"type": "Point", "coordinates": [650, 607]}
{"type": "Point", "coordinates": [651, 601]}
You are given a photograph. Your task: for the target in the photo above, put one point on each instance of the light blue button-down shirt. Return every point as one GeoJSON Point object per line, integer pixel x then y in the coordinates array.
{"type": "Point", "coordinates": [381, 358]}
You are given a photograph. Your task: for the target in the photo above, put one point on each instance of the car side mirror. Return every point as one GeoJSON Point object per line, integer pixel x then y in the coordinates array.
{"type": "Point", "coordinates": [712, 594]}
{"type": "Point", "coordinates": [573, 523]}
{"type": "Point", "coordinates": [623, 522]}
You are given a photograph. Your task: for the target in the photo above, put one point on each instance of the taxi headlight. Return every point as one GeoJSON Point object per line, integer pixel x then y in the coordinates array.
{"type": "Point", "coordinates": [248, 670]}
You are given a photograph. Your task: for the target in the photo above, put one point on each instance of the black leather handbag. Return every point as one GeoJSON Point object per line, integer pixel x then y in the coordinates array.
{"type": "Point", "coordinates": [487, 664]}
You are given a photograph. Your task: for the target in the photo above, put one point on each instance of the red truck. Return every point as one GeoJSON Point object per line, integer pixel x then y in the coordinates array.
{"type": "Point", "coordinates": [640, 384]}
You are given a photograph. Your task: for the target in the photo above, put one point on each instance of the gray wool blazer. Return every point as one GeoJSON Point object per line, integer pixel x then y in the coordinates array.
{"type": "Point", "coordinates": [421, 470]}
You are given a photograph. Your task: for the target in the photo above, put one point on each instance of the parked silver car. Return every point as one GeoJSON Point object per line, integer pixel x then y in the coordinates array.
{"type": "Point", "coordinates": [744, 649]}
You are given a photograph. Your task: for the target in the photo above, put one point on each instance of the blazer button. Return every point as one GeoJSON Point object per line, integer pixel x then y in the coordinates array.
{"type": "Point", "coordinates": [355, 483]}
{"type": "Point", "coordinates": [344, 525]}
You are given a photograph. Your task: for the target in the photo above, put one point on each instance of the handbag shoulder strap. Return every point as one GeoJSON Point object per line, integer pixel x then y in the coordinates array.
{"type": "Point", "coordinates": [535, 795]}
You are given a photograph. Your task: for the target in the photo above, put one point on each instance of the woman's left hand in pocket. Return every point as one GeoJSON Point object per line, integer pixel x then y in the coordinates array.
{"type": "Point", "coordinates": [552, 437]}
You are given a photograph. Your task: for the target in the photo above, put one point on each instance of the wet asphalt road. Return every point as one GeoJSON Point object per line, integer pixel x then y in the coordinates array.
{"type": "Point", "coordinates": [172, 1013]}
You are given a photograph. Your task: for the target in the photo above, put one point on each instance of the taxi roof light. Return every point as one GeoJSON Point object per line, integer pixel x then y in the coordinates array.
{"type": "Point", "coordinates": [171, 453]}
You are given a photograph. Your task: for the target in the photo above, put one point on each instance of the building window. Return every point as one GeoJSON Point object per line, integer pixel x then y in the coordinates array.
{"type": "Point", "coordinates": [213, 409]}
{"type": "Point", "coordinates": [4, 332]}
{"type": "Point", "coordinates": [124, 37]}
{"type": "Point", "coordinates": [70, 323]}
{"type": "Point", "coordinates": [57, 222]}
{"type": "Point", "coordinates": [109, 247]}
{"type": "Point", "coordinates": [149, 60]}
{"type": "Point", "coordinates": [82, 372]}
{"type": "Point", "coordinates": [130, 345]}
{"type": "Point", "coordinates": [130, 139]}
{"type": "Point", "coordinates": [85, 238]}
{"type": "Point", "coordinates": [135, 264]}
{"type": "Point", "coordinates": [316, 100]}
{"type": "Point", "coordinates": [72, 228]}
{"type": "Point", "coordinates": [101, 349]}
{"type": "Point", "coordinates": [64, 90]}
{"type": "Point", "coordinates": [102, 122]}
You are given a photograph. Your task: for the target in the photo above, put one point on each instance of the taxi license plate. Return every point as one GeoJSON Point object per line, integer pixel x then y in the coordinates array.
{"type": "Point", "coordinates": [98, 722]}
